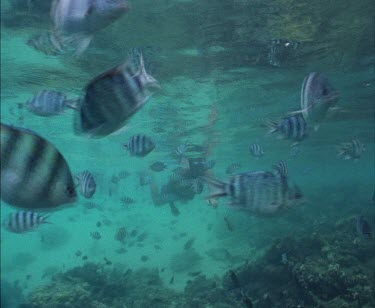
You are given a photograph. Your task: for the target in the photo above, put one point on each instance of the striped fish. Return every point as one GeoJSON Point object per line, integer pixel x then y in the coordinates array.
{"type": "Point", "coordinates": [281, 168]}
{"type": "Point", "coordinates": [85, 17]}
{"type": "Point", "coordinates": [87, 184]}
{"type": "Point", "coordinates": [24, 221]}
{"type": "Point", "coordinates": [256, 150]}
{"type": "Point", "coordinates": [48, 103]}
{"type": "Point", "coordinates": [260, 193]}
{"type": "Point", "coordinates": [47, 43]}
{"type": "Point", "coordinates": [293, 127]}
{"type": "Point", "coordinates": [34, 174]}
{"type": "Point", "coordinates": [281, 50]}
{"type": "Point", "coordinates": [351, 150]}
{"type": "Point", "coordinates": [113, 98]}
{"type": "Point", "coordinates": [140, 145]}
{"type": "Point", "coordinates": [317, 97]}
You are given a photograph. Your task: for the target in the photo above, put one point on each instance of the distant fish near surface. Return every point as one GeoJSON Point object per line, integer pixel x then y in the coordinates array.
{"type": "Point", "coordinates": [158, 166]}
{"type": "Point", "coordinates": [24, 221]}
{"type": "Point", "coordinates": [48, 43]}
{"type": "Point", "coordinates": [282, 50]}
{"type": "Point", "coordinates": [34, 174]}
{"type": "Point", "coordinates": [256, 150]}
{"type": "Point", "coordinates": [351, 150]}
{"type": "Point", "coordinates": [317, 98]}
{"type": "Point", "coordinates": [112, 98]}
{"type": "Point", "coordinates": [174, 210]}
{"type": "Point", "coordinates": [87, 184]}
{"type": "Point", "coordinates": [48, 103]}
{"type": "Point", "coordinates": [281, 168]}
{"type": "Point", "coordinates": [293, 127]}
{"type": "Point", "coordinates": [85, 17]}
{"type": "Point", "coordinates": [232, 168]}
{"type": "Point", "coordinates": [260, 193]}
{"type": "Point", "coordinates": [363, 227]}
{"type": "Point", "coordinates": [140, 145]}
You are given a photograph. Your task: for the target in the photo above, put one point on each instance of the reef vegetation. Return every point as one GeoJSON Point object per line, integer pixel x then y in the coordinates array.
{"type": "Point", "coordinates": [326, 268]}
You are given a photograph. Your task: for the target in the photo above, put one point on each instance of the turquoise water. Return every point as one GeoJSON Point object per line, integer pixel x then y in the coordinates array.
{"type": "Point", "coordinates": [219, 88]}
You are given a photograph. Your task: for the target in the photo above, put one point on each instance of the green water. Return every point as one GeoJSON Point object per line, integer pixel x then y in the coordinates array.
{"type": "Point", "coordinates": [210, 56]}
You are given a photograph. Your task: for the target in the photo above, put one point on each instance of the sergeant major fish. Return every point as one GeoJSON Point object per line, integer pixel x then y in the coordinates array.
{"type": "Point", "coordinates": [24, 221]}
{"type": "Point", "coordinates": [48, 103]}
{"type": "Point", "coordinates": [351, 150]}
{"type": "Point", "coordinates": [34, 174]}
{"type": "Point", "coordinates": [87, 184]}
{"type": "Point", "coordinates": [140, 145]}
{"type": "Point", "coordinates": [112, 98]}
{"type": "Point", "coordinates": [260, 192]}
{"type": "Point", "coordinates": [256, 150]}
{"type": "Point", "coordinates": [293, 127]}
{"type": "Point", "coordinates": [85, 17]}
{"type": "Point", "coordinates": [281, 168]}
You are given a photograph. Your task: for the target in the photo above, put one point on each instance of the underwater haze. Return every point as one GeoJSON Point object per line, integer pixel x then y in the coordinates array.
{"type": "Point", "coordinates": [218, 153]}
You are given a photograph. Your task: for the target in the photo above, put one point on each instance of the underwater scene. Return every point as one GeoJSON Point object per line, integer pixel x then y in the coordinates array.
{"type": "Point", "coordinates": [186, 153]}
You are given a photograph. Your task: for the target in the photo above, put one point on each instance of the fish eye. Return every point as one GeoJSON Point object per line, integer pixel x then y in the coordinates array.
{"type": "Point", "coordinates": [70, 191]}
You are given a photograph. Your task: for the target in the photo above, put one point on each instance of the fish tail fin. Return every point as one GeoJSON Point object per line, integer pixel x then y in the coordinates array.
{"type": "Point", "coordinates": [74, 103]}
{"type": "Point", "coordinates": [217, 187]}
{"type": "Point", "coordinates": [272, 126]}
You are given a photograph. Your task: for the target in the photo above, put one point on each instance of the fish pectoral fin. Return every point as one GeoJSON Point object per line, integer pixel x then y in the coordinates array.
{"type": "Point", "coordinates": [83, 45]}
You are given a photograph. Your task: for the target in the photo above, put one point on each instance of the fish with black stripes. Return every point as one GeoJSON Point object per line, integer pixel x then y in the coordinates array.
{"type": "Point", "coordinates": [34, 173]}
{"type": "Point", "coordinates": [293, 127]}
{"type": "Point", "coordinates": [112, 98]}
{"type": "Point", "coordinates": [24, 221]}
{"type": "Point", "coordinates": [351, 150]}
{"type": "Point", "coordinates": [87, 184]}
{"type": "Point", "coordinates": [281, 168]}
{"type": "Point", "coordinates": [256, 150]}
{"type": "Point", "coordinates": [140, 145]}
{"type": "Point", "coordinates": [48, 103]}
{"type": "Point", "coordinates": [260, 193]}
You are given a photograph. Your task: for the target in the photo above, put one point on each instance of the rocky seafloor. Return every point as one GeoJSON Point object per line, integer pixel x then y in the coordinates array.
{"type": "Point", "coordinates": [331, 267]}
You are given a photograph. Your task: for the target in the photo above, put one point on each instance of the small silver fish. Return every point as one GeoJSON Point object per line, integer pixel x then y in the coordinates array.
{"type": "Point", "coordinates": [351, 150]}
{"type": "Point", "coordinates": [87, 184]}
{"type": "Point", "coordinates": [140, 145]}
{"type": "Point", "coordinates": [256, 150]}
{"type": "Point", "coordinates": [34, 174]}
{"type": "Point", "coordinates": [48, 103]}
{"type": "Point", "coordinates": [24, 221]}
{"type": "Point", "coordinates": [112, 98]}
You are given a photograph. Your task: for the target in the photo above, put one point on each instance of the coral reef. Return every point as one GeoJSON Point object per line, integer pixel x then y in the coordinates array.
{"type": "Point", "coordinates": [329, 268]}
